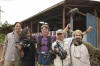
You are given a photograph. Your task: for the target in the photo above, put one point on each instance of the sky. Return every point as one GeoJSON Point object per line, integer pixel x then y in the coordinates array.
{"type": "Point", "coordinates": [19, 10]}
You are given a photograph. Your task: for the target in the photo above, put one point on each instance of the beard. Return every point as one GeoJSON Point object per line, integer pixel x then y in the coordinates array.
{"type": "Point", "coordinates": [78, 42]}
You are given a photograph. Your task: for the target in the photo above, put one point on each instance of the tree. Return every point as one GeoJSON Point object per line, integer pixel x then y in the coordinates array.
{"type": "Point", "coordinates": [2, 37]}
{"type": "Point", "coordinates": [5, 24]}
{"type": "Point", "coordinates": [4, 29]}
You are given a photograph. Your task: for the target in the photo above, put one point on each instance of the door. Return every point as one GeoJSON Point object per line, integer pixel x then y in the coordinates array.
{"type": "Point", "coordinates": [91, 21]}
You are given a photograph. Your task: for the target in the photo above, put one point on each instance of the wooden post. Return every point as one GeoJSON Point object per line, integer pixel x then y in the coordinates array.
{"type": "Point", "coordinates": [97, 28]}
{"type": "Point", "coordinates": [31, 26]}
{"type": "Point", "coordinates": [63, 23]}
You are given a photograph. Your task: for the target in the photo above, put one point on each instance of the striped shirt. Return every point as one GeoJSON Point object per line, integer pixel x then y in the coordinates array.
{"type": "Point", "coordinates": [10, 43]}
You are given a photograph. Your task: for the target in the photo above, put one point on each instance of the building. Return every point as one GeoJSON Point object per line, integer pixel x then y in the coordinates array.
{"type": "Point", "coordinates": [58, 16]}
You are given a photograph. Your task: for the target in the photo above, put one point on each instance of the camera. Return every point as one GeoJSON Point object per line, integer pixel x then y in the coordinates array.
{"type": "Point", "coordinates": [26, 43]}
{"type": "Point", "coordinates": [62, 53]}
{"type": "Point", "coordinates": [52, 54]}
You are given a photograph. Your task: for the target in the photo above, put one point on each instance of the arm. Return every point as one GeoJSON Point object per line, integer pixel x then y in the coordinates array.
{"type": "Point", "coordinates": [22, 53]}
{"type": "Point", "coordinates": [88, 30]}
{"type": "Point", "coordinates": [66, 28]}
{"type": "Point", "coordinates": [2, 56]}
{"type": "Point", "coordinates": [20, 50]}
{"type": "Point", "coordinates": [53, 44]}
{"type": "Point", "coordinates": [92, 50]}
{"type": "Point", "coordinates": [4, 50]}
{"type": "Point", "coordinates": [53, 47]}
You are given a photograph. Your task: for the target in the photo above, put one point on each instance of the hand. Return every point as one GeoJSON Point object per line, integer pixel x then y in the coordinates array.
{"type": "Point", "coordinates": [2, 60]}
{"type": "Point", "coordinates": [21, 53]}
{"type": "Point", "coordinates": [19, 47]}
{"type": "Point", "coordinates": [89, 29]}
{"type": "Point", "coordinates": [57, 50]}
{"type": "Point", "coordinates": [66, 28]}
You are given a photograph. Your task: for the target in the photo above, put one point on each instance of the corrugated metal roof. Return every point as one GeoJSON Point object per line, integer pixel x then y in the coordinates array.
{"type": "Point", "coordinates": [83, 5]}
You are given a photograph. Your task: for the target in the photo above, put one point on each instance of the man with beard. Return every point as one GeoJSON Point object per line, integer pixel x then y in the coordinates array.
{"type": "Point", "coordinates": [81, 51]}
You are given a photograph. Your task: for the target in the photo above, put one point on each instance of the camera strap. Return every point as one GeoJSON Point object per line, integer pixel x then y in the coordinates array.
{"type": "Point", "coordinates": [62, 44]}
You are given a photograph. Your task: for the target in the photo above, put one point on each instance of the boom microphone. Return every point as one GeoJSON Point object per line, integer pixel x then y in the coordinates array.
{"type": "Point", "coordinates": [73, 11]}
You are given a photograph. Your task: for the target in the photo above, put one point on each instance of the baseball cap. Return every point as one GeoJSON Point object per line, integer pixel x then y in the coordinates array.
{"type": "Point", "coordinates": [59, 31]}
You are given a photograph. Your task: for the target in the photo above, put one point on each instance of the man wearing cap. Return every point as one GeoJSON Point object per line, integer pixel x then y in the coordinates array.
{"type": "Point", "coordinates": [44, 43]}
{"type": "Point", "coordinates": [63, 44]}
{"type": "Point", "coordinates": [68, 42]}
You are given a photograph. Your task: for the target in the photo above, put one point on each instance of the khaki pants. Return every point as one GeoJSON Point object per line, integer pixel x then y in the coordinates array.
{"type": "Point", "coordinates": [1, 64]}
{"type": "Point", "coordinates": [11, 63]}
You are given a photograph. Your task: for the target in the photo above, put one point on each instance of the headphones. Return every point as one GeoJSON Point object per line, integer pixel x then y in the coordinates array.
{"type": "Point", "coordinates": [77, 42]}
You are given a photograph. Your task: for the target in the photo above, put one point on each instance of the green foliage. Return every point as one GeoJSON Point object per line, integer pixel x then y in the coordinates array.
{"type": "Point", "coordinates": [5, 28]}
{"type": "Point", "coordinates": [5, 25]}
{"type": "Point", "coordinates": [2, 37]}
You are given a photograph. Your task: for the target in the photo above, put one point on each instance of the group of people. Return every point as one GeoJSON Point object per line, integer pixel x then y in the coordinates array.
{"type": "Point", "coordinates": [23, 49]}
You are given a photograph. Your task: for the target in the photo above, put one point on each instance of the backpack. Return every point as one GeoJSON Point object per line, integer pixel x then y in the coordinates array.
{"type": "Point", "coordinates": [45, 58]}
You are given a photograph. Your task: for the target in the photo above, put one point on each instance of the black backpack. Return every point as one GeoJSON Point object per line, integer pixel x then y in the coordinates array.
{"type": "Point", "coordinates": [51, 53]}
{"type": "Point", "coordinates": [49, 44]}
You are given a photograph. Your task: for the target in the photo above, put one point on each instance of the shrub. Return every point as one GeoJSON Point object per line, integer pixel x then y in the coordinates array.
{"type": "Point", "coordinates": [2, 37]}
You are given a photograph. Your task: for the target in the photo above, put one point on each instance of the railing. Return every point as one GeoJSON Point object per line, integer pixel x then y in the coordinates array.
{"type": "Point", "coordinates": [51, 33]}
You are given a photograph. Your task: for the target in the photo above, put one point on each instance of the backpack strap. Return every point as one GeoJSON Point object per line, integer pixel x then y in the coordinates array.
{"type": "Point", "coordinates": [40, 42]}
{"type": "Point", "coordinates": [49, 43]}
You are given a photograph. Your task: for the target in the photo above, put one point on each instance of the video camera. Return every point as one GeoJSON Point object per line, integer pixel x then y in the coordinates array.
{"type": "Point", "coordinates": [62, 53]}
{"type": "Point", "coordinates": [26, 43]}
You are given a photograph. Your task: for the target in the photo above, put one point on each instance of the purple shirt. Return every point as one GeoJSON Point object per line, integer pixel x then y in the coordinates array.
{"type": "Point", "coordinates": [44, 41]}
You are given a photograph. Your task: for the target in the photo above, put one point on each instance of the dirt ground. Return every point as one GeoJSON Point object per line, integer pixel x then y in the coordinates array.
{"type": "Point", "coordinates": [1, 47]}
